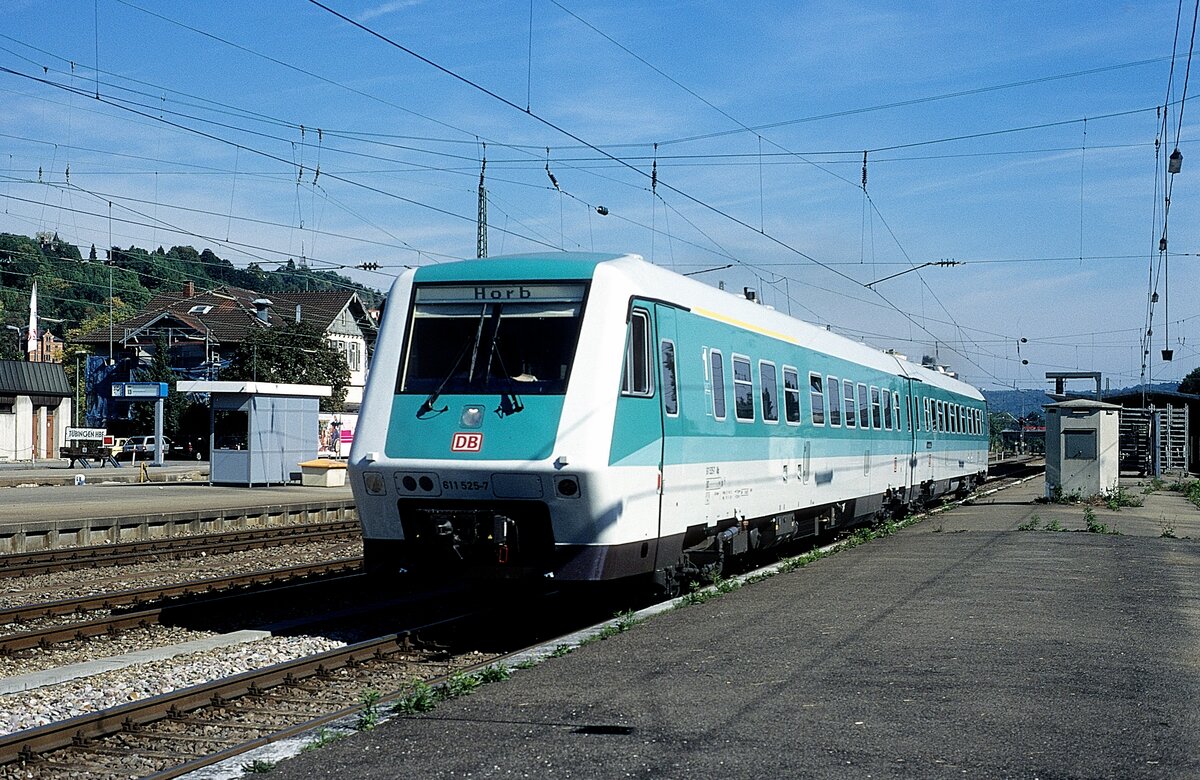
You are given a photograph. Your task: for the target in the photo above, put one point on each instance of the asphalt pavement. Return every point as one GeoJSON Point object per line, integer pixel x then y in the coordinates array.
{"type": "Point", "coordinates": [959, 647]}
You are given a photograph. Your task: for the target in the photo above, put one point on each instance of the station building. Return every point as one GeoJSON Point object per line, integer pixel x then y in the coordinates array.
{"type": "Point", "coordinates": [35, 410]}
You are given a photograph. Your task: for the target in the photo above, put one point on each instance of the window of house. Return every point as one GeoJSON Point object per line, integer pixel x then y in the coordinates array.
{"type": "Point", "coordinates": [791, 395]}
{"type": "Point", "coordinates": [816, 396]}
{"type": "Point", "coordinates": [848, 395]}
{"type": "Point", "coordinates": [770, 391]}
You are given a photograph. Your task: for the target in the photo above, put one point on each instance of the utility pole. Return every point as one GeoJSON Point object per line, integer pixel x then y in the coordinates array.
{"type": "Point", "coordinates": [481, 222]}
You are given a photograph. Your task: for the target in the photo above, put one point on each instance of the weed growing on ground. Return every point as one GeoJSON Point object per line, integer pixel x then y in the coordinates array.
{"type": "Point", "coordinates": [1093, 525]}
{"type": "Point", "coordinates": [324, 737]}
{"type": "Point", "coordinates": [422, 699]}
{"type": "Point", "coordinates": [368, 717]}
{"type": "Point", "coordinates": [1031, 524]}
{"type": "Point", "coordinates": [1121, 497]}
{"type": "Point", "coordinates": [258, 766]}
{"type": "Point", "coordinates": [1190, 488]}
{"type": "Point", "coordinates": [461, 684]}
{"type": "Point", "coordinates": [1053, 525]}
{"type": "Point", "coordinates": [528, 663]}
{"type": "Point", "coordinates": [1155, 484]}
{"type": "Point", "coordinates": [496, 673]}
{"type": "Point", "coordinates": [561, 650]}
{"type": "Point", "coordinates": [1167, 528]}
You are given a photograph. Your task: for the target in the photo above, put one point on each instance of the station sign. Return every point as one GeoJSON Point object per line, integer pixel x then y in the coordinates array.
{"type": "Point", "coordinates": [139, 390]}
{"type": "Point", "coordinates": [85, 434]}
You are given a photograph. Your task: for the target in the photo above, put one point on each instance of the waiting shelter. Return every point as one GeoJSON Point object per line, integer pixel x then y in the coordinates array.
{"type": "Point", "coordinates": [259, 432]}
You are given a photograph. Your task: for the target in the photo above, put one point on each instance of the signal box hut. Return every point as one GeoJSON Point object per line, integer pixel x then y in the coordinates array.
{"type": "Point", "coordinates": [259, 432]}
{"type": "Point", "coordinates": [1081, 448]}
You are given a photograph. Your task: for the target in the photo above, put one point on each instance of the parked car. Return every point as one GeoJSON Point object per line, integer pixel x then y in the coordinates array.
{"type": "Point", "coordinates": [142, 447]}
{"type": "Point", "coordinates": [118, 446]}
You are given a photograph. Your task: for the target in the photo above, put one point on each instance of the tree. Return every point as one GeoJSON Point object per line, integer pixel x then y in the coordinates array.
{"type": "Point", "coordinates": [1191, 382]}
{"type": "Point", "coordinates": [159, 370]}
{"type": "Point", "coordinates": [295, 353]}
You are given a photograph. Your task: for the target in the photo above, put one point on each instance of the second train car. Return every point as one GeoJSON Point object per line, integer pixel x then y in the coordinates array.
{"type": "Point", "coordinates": [589, 417]}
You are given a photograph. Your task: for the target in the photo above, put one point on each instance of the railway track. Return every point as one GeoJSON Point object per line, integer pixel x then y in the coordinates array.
{"type": "Point", "coordinates": [175, 592]}
{"type": "Point", "coordinates": [176, 733]}
{"type": "Point", "coordinates": [74, 558]}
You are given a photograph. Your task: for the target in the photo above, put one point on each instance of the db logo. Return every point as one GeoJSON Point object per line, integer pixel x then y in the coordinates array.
{"type": "Point", "coordinates": [466, 442]}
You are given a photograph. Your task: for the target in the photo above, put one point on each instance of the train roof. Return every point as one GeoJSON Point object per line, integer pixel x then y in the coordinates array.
{"type": "Point", "coordinates": [663, 284]}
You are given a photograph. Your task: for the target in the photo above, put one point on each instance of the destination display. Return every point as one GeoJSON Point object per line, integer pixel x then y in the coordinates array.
{"type": "Point", "coordinates": [496, 293]}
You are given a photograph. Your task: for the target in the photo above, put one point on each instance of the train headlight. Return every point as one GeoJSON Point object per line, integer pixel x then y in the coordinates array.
{"type": "Point", "coordinates": [373, 482]}
{"type": "Point", "coordinates": [472, 416]}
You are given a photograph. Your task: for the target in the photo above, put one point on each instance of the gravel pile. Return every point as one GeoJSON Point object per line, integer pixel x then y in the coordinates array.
{"type": "Point", "coordinates": [38, 707]}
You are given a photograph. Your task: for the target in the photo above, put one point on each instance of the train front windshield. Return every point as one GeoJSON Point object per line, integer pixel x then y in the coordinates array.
{"type": "Point", "coordinates": [492, 338]}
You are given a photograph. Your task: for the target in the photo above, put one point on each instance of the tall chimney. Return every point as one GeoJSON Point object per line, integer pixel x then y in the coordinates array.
{"type": "Point", "coordinates": [189, 290]}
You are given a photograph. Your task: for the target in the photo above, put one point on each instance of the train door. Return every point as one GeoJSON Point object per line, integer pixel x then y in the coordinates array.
{"type": "Point", "coordinates": [912, 408]}
{"type": "Point", "coordinates": [637, 444]}
{"type": "Point", "coordinates": [672, 462]}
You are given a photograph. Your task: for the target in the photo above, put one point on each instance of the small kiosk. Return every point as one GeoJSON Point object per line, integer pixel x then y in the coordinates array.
{"type": "Point", "coordinates": [259, 432]}
{"type": "Point", "coordinates": [1082, 448]}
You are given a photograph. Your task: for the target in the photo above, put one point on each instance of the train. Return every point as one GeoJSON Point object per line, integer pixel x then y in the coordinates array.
{"type": "Point", "coordinates": [588, 418]}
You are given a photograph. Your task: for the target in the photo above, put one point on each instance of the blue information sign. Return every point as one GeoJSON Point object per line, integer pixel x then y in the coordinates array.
{"type": "Point", "coordinates": [133, 390]}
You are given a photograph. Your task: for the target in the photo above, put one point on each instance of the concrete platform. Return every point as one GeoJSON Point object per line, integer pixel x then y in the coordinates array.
{"type": "Point", "coordinates": [958, 647]}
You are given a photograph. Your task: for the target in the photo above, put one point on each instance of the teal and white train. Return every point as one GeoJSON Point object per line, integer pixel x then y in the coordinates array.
{"type": "Point", "coordinates": [588, 417]}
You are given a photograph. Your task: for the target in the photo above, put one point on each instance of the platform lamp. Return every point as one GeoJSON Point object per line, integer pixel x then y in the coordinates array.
{"type": "Point", "coordinates": [19, 332]}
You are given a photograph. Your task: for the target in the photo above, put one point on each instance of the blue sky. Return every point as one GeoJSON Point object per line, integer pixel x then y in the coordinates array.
{"type": "Point", "coordinates": [973, 115]}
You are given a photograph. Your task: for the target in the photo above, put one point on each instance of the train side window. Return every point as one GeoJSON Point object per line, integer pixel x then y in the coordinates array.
{"type": "Point", "coordinates": [928, 413]}
{"type": "Point", "coordinates": [887, 410]}
{"type": "Point", "coordinates": [638, 378]}
{"type": "Point", "coordinates": [876, 410]}
{"type": "Point", "coordinates": [770, 391]}
{"type": "Point", "coordinates": [864, 407]}
{"type": "Point", "coordinates": [743, 389]}
{"type": "Point", "coordinates": [816, 395]}
{"type": "Point", "coordinates": [717, 366]}
{"type": "Point", "coordinates": [941, 415]}
{"type": "Point", "coordinates": [848, 395]}
{"type": "Point", "coordinates": [834, 388]}
{"type": "Point", "coordinates": [896, 406]}
{"type": "Point", "coordinates": [791, 395]}
{"type": "Point", "coordinates": [666, 353]}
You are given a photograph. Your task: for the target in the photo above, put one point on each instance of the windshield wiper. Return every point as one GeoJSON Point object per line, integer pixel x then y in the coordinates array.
{"type": "Point", "coordinates": [427, 406]}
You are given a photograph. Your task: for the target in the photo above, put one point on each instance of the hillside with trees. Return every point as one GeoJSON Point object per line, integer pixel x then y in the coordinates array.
{"type": "Point", "coordinates": [73, 284]}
